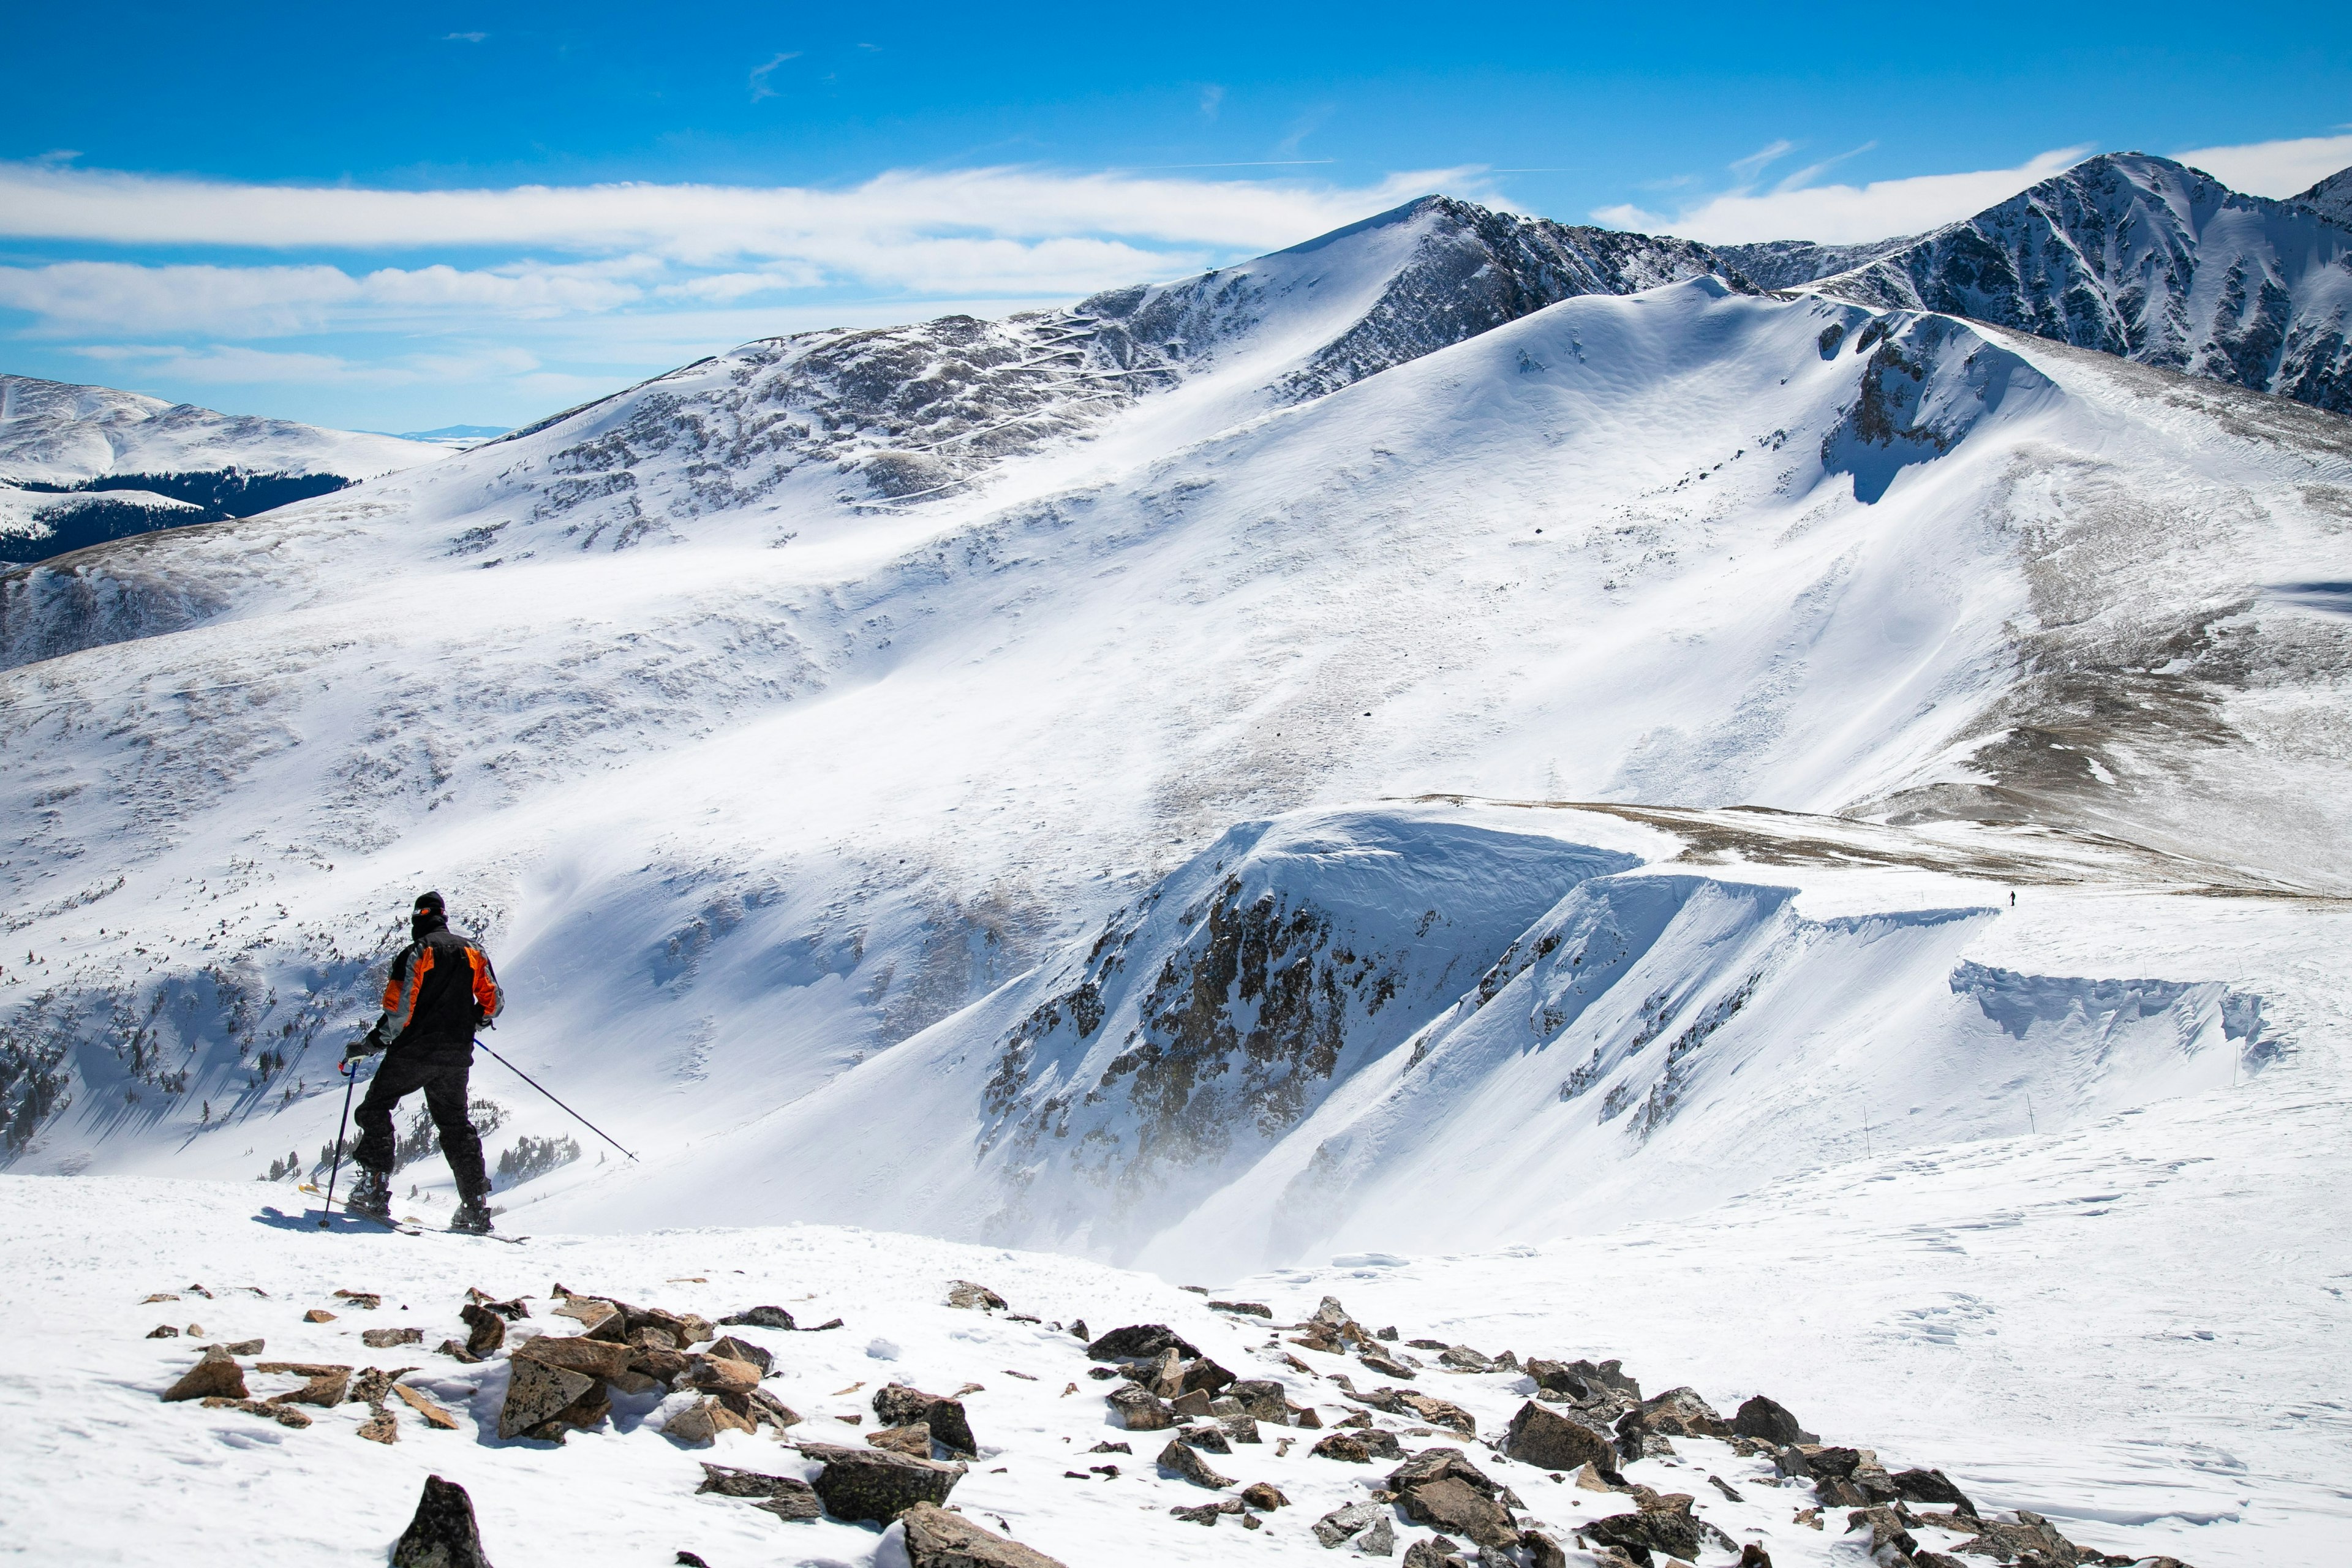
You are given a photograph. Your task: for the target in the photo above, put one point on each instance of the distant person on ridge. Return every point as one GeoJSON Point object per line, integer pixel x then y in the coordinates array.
{"type": "Point", "coordinates": [440, 992]}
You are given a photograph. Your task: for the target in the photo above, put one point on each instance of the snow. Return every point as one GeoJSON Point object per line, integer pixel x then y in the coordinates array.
{"type": "Point", "coordinates": [1155, 844]}
{"type": "Point", "coordinates": [1958, 1347]}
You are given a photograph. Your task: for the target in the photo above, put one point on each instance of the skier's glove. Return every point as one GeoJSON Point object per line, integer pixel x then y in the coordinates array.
{"type": "Point", "coordinates": [367, 1044]}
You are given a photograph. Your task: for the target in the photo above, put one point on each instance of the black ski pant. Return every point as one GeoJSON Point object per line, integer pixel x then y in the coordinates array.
{"type": "Point", "coordinates": [402, 1074]}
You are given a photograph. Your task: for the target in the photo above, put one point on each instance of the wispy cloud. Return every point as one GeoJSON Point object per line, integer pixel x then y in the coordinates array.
{"type": "Point", "coordinates": [2274, 168]}
{"type": "Point", "coordinates": [1756, 163]}
{"type": "Point", "coordinates": [1838, 214]}
{"type": "Point", "coordinates": [463, 37]}
{"type": "Point", "coordinates": [971, 212]}
{"type": "Point", "coordinates": [760, 74]}
{"type": "Point", "coordinates": [1212, 97]}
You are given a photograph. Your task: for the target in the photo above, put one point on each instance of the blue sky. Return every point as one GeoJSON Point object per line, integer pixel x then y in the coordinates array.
{"type": "Point", "coordinates": [403, 217]}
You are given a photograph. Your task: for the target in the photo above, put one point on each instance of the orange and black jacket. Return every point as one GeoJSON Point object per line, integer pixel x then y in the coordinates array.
{"type": "Point", "coordinates": [441, 990]}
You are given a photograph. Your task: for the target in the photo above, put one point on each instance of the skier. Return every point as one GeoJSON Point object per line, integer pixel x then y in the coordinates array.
{"type": "Point", "coordinates": [441, 990]}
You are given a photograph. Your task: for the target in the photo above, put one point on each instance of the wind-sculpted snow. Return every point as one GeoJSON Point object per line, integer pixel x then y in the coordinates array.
{"type": "Point", "coordinates": [2142, 258]}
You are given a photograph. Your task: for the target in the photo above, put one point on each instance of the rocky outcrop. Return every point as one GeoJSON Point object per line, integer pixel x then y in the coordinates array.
{"type": "Point", "coordinates": [1441, 1488]}
{"type": "Point", "coordinates": [2143, 258]}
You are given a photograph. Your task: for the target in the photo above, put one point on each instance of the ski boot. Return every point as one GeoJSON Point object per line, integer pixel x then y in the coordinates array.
{"type": "Point", "coordinates": [371, 1195]}
{"type": "Point", "coordinates": [473, 1215]}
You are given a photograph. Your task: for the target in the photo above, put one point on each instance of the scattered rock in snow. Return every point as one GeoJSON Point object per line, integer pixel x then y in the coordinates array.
{"type": "Point", "coordinates": [215, 1375]}
{"type": "Point", "coordinates": [538, 1392]}
{"type": "Point", "coordinates": [1437, 1552]}
{"type": "Point", "coordinates": [1207, 1514]}
{"type": "Point", "coordinates": [1138, 1409]}
{"type": "Point", "coordinates": [1366, 1524]}
{"type": "Point", "coordinates": [457, 1352]}
{"type": "Point", "coordinates": [1179, 1459]}
{"type": "Point", "coordinates": [1680, 1413]}
{"type": "Point", "coordinates": [487, 1331]}
{"type": "Point", "coordinates": [1440, 1487]}
{"type": "Point", "coordinates": [734, 1349]}
{"type": "Point", "coordinates": [1142, 1342]}
{"type": "Point", "coordinates": [379, 1427]}
{"type": "Point", "coordinates": [870, 1484]}
{"type": "Point", "coordinates": [326, 1388]}
{"type": "Point", "coordinates": [1768, 1419]}
{"type": "Point", "coordinates": [317, 1315]}
{"type": "Point", "coordinates": [374, 1382]}
{"type": "Point", "coordinates": [442, 1534]}
{"type": "Point", "coordinates": [758, 1318]}
{"type": "Point", "coordinates": [243, 1347]}
{"type": "Point", "coordinates": [589, 1358]}
{"type": "Point", "coordinates": [1207, 1440]}
{"type": "Point", "coordinates": [786, 1496]}
{"type": "Point", "coordinates": [364, 1300]}
{"type": "Point", "coordinates": [1249, 1309]}
{"type": "Point", "coordinates": [973, 1298]}
{"type": "Point", "coordinates": [939, 1537]}
{"type": "Point", "coordinates": [285, 1416]}
{"type": "Point", "coordinates": [384, 1338]}
{"type": "Point", "coordinates": [1668, 1525]}
{"type": "Point", "coordinates": [164, 1331]}
{"type": "Point", "coordinates": [1262, 1397]}
{"type": "Point", "coordinates": [915, 1441]}
{"type": "Point", "coordinates": [2031, 1539]}
{"type": "Point", "coordinates": [1263, 1495]}
{"type": "Point", "coordinates": [1542, 1437]}
{"type": "Point", "coordinates": [1931, 1486]}
{"type": "Point", "coordinates": [1386, 1366]}
{"type": "Point", "coordinates": [1886, 1530]}
{"type": "Point", "coordinates": [945, 1420]}
{"type": "Point", "coordinates": [702, 1421]}
{"type": "Point", "coordinates": [720, 1374]}
{"type": "Point", "coordinates": [416, 1400]}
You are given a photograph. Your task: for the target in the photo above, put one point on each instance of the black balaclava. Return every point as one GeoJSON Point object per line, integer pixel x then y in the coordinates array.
{"type": "Point", "coordinates": [430, 915]}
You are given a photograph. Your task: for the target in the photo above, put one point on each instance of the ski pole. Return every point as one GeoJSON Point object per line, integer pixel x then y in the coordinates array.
{"type": "Point", "coordinates": [559, 1105]}
{"type": "Point", "coordinates": [351, 1081]}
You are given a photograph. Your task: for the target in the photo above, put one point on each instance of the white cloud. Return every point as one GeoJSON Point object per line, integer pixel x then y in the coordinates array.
{"type": "Point", "coordinates": [2274, 168]}
{"type": "Point", "coordinates": [1838, 214]}
{"type": "Point", "coordinates": [703, 224]}
{"type": "Point", "coordinates": [218, 364]}
{"type": "Point", "coordinates": [76, 296]}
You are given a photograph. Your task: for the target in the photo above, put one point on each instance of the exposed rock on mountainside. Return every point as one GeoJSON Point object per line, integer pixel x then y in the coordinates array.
{"type": "Point", "coordinates": [2331, 198]}
{"type": "Point", "coordinates": [1786, 263]}
{"type": "Point", "coordinates": [84, 464]}
{"type": "Point", "coordinates": [2143, 258]}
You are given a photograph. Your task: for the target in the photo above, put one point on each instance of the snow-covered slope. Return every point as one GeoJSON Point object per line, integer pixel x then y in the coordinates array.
{"type": "Point", "coordinates": [738, 816]}
{"type": "Point", "coordinates": [1959, 1309]}
{"type": "Point", "coordinates": [2141, 256]}
{"type": "Point", "coordinates": [82, 465]}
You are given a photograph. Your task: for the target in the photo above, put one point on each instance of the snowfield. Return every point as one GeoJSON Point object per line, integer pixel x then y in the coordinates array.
{"type": "Point", "coordinates": [1959, 1347]}
{"type": "Point", "coordinates": [1479, 768]}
